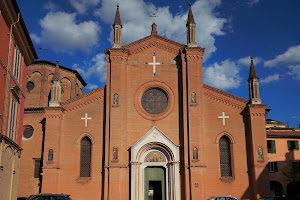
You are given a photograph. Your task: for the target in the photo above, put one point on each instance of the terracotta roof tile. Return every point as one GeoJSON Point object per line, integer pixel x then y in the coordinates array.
{"type": "Point", "coordinates": [283, 134]}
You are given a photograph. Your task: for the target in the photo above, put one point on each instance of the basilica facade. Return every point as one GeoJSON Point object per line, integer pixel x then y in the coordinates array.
{"type": "Point", "coordinates": [154, 131]}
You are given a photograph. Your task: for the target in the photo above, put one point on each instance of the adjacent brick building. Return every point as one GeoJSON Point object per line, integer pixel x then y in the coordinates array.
{"type": "Point", "coordinates": [16, 53]}
{"type": "Point", "coordinates": [154, 131]}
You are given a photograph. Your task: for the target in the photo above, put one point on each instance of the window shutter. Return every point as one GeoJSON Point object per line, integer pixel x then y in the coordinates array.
{"type": "Point", "coordinates": [273, 146]}
{"type": "Point", "coordinates": [297, 145]}
{"type": "Point", "coordinates": [289, 145]}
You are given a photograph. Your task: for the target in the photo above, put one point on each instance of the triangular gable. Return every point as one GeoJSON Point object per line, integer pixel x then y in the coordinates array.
{"type": "Point", "coordinates": [154, 40]}
{"type": "Point", "coordinates": [84, 99]}
{"type": "Point", "coordinates": [154, 135]}
{"type": "Point", "coordinates": [217, 94]}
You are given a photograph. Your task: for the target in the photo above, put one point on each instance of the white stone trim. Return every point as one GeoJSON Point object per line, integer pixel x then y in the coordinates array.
{"type": "Point", "coordinates": [155, 140]}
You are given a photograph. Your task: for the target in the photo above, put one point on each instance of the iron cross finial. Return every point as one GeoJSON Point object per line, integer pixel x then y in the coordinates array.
{"type": "Point", "coordinates": [153, 16]}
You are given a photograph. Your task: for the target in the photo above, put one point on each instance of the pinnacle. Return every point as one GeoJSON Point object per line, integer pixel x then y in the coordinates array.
{"type": "Point", "coordinates": [252, 73]}
{"type": "Point", "coordinates": [117, 17]}
{"type": "Point", "coordinates": [56, 75]}
{"type": "Point", "coordinates": [191, 16]}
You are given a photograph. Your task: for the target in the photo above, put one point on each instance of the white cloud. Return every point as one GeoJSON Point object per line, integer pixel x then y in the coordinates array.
{"type": "Point", "coordinates": [252, 2]}
{"type": "Point", "coordinates": [270, 78]}
{"type": "Point", "coordinates": [295, 72]}
{"type": "Point", "coordinates": [50, 6]}
{"type": "Point", "coordinates": [62, 32]}
{"type": "Point", "coordinates": [292, 55]}
{"type": "Point", "coordinates": [96, 68]}
{"type": "Point", "coordinates": [82, 5]}
{"type": "Point", "coordinates": [245, 61]}
{"type": "Point", "coordinates": [91, 86]}
{"type": "Point", "coordinates": [137, 23]}
{"type": "Point", "coordinates": [224, 75]}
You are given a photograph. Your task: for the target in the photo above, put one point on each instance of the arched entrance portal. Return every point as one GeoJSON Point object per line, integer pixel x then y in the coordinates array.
{"type": "Point", "coordinates": [155, 167]}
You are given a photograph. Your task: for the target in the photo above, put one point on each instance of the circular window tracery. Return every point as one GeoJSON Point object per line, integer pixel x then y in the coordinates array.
{"type": "Point", "coordinates": [154, 101]}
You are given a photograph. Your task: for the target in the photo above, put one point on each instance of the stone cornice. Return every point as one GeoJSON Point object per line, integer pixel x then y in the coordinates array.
{"type": "Point", "coordinates": [194, 52]}
{"type": "Point", "coordinates": [224, 97]}
{"type": "Point", "coordinates": [34, 110]}
{"type": "Point", "coordinates": [11, 143]}
{"type": "Point", "coordinates": [257, 109]}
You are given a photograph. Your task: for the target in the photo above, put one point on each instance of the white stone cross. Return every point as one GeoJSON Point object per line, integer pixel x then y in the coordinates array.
{"type": "Point", "coordinates": [154, 64]}
{"type": "Point", "coordinates": [223, 117]}
{"type": "Point", "coordinates": [86, 118]}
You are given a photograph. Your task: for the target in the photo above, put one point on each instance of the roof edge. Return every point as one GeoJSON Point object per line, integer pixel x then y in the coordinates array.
{"type": "Point", "coordinates": [63, 67]}
{"type": "Point", "coordinates": [225, 93]}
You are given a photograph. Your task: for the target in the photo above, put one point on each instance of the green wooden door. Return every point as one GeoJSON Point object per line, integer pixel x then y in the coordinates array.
{"type": "Point", "coordinates": [155, 180]}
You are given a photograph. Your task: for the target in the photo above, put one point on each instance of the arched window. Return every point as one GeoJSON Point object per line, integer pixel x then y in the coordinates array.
{"type": "Point", "coordinates": [225, 157]}
{"type": "Point", "coordinates": [50, 155]}
{"type": "Point", "coordinates": [85, 157]}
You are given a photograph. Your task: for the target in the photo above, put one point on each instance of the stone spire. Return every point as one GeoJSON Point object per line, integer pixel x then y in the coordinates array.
{"type": "Point", "coordinates": [55, 88]}
{"type": "Point", "coordinates": [191, 29]}
{"type": "Point", "coordinates": [56, 75]}
{"type": "Point", "coordinates": [253, 85]}
{"type": "Point", "coordinates": [252, 73]}
{"type": "Point", "coordinates": [117, 30]}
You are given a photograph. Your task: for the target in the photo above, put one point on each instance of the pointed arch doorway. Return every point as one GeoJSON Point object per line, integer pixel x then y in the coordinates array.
{"type": "Point", "coordinates": [155, 167]}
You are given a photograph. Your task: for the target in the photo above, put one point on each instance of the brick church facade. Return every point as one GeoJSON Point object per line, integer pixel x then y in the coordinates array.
{"type": "Point", "coordinates": [155, 131]}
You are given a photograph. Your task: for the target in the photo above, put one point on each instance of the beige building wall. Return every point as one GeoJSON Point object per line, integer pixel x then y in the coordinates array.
{"type": "Point", "coordinates": [10, 154]}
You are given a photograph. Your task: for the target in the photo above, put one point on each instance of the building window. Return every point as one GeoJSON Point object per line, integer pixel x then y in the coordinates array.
{"type": "Point", "coordinates": [271, 146]}
{"type": "Point", "coordinates": [260, 154]}
{"type": "Point", "coordinates": [195, 153]}
{"type": "Point", "coordinates": [29, 86]}
{"type": "Point", "coordinates": [293, 145]}
{"type": "Point", "coordinates": [273, 167]}
{"type": "Point", "coordinates": [17, 63]}
{"type": "Point", "coordinates": [116, 99]}
{"type": "Point", "coordinates": [37, 164]}
{"type": "Point", "coordinates": [225, 156]}
{"type": "Point", "coordinates": [115, 153]}
{"type": "Point", "coordinates": [296, 167]}
{"type": "Point", "coordinates": [85, 157]}
{"type": "Point", "coordinates": [193, 98]}
{"type": "Point", "coordinates": [50, 155]}
{"type": "Point", "coordinates": [12, 118]}
{"type": "Point", "coordinates": [28, 132]}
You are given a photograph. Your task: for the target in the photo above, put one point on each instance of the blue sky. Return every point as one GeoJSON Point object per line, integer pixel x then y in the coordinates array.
{"type": "Point", "coordinates": [78, 31]}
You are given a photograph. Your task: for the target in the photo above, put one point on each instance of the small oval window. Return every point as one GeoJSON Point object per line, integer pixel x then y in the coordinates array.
{"type": "Point", "coordinates": [29, 86]}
